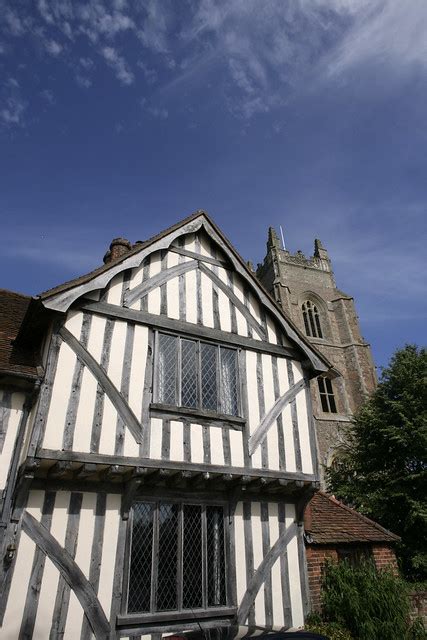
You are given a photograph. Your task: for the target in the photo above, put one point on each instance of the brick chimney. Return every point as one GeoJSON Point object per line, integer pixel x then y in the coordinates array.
{"type": "Point", "coordinates": [118, 247]}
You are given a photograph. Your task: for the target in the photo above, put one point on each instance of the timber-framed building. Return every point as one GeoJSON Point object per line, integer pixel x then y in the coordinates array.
{"type": "Point", "coordinates": [158, 447]}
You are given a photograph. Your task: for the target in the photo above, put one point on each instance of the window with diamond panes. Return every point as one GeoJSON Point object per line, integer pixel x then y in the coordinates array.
{"type": "Point", "coordinates": [326, 393]}
{"type": "Point", "coordinates": [196, 374]}
{"type": "Point", "coordinates": [177, 558]}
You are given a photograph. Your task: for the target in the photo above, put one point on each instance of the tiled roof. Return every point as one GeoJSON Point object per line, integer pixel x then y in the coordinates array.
{"type": "Point", "coordinates": [13, 360]}
{"type": "Point", "coordinates": [328, 521]}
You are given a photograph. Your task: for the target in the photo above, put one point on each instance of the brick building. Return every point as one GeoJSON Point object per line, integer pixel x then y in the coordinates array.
{"type": "Point", "coordinates": [335, 532]}
{"type": "Point", "coordinates": [306, 290]}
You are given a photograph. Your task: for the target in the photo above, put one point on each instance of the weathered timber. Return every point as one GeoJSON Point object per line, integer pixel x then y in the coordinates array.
{"type": "Point", "coordinates": [235, 300]}
{"type": "Point", "coordinates": [199, 257]}
{"type": "Point", "coordinates": [71, 573]}
{"type": "Point", "coordinates": [271, 416]}
{"type": "Point", "coordinates": [262, 571]}
{"type": "Point", "coordinates": [187, 328]}
{"type": "Point", "coordinates": [157, 280]}
{"type": "Point", "coordinates": [112, 392]}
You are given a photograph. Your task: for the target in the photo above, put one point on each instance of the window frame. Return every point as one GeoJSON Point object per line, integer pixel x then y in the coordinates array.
{"type": "Point", "coordinates": [311, 318]}
{"type": "Point", "coordinates": [221, 611]}
{"type": "Point", "coordinates": [327, 394]}
{"type": "Point", "coordinates": [157, 403]}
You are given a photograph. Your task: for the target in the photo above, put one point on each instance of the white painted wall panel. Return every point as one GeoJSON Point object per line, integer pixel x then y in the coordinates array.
{"type": "Point", "coordinates": [154, 296]}
{"type": "Point", "coordinates": [108, 428]}
{"type": "Point", "coordinates": [224, 303]}
{"type": "Point", "coordinates": [286, 417]}
{"type": "Point", "coordinates": [240, 552]}
{"type": "Point", "coordinates": [271, 331]}
{"type": "Point", "coordinates": [196, 431]}
{"type": "Point", "coordinates": [9, 421]}
{"type": "Point", "coordinates": [269, 399]}
{"type": "Point", "coordinates": [207, 302]}
{"type": "Point", "coordinates": [304, 435]}
{"type": "Point", "coordinates": [177, 441]}
{"type": "Point", "coordinates": [273, 519]}
{"type": "Point", "coordinates": [108, 561]}
{"type": "Point", "coordinates": [217, 449]}
{"type": "Point", "coordinates": [59, 401]}
{"type": "Point", "coordinates": [49, 584]}
{"type": "Point", "coordinates": [156, 438]}
{"type": "Point", "coordinates": [242, 325]}
{"type": "Point", "coordinates": [191, 296]}
{"type": "Point", "coordinates": [115, 288]}
{"type": "Point", "coordinates": [85, 410]}
{"type": "Point", "coordinates": [74, 322]}
{"type": "Point", "coordinates": [258, 558]}
{"type": "Point", "coordinates": [254, 308]}
{"type": "Point", "coordinates": [294, 581]}
{"type": "Point", "coordinates": [252, 387]}
{"type": "Point", "coordinates": [172, 288]}
{"type": "Point", "coordinates": [236, 448]}
{"type": "Point", "coordinates": [82, 558]}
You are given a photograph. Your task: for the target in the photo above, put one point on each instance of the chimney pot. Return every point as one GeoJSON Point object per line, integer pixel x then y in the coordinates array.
{"type": "Point", "coordinates": [118, 247]}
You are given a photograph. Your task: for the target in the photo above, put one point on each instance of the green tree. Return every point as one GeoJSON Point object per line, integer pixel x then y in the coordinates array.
{"type": "Point", "coordinates": [382, 469]}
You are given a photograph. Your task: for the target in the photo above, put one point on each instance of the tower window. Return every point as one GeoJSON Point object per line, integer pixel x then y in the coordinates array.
{"type": "Point", "coordinates": [326, 393]}
{"type": "Point", "coordinates": [311, 320]}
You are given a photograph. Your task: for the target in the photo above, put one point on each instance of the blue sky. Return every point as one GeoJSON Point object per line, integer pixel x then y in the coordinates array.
{"type": "Point", "coordinates": [120, 117]}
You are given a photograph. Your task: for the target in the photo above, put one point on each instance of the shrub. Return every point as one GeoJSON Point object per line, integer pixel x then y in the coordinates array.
{"type": "Point", "coordinates": [370, 604]}
{"type": "Point", "coordinates": [331, 630]}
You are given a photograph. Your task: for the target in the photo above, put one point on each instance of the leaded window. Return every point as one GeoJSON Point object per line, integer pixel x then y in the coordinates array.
{"type": "Point", "coordinates": [326, 393]}
{"type": "Point", "coordinates": [177, 557]}
{"type": "Point", "coordinates": [196, 374]}
{"type": "Point", "coordinates": [311, 319]}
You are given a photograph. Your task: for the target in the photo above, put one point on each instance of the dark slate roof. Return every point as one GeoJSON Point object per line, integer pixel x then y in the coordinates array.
{"type": "Point", "coordinates": [328, 521]}
{"type": "Point", "coordinates": [13, 359]}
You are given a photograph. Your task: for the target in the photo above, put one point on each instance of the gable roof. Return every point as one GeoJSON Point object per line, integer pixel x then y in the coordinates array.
{"type": "Point", "coordinates": [14, 359]}
{"type": "Point", "coordinates": [60, 298]}
{"type": "Point", "coordinates": [328, 521]}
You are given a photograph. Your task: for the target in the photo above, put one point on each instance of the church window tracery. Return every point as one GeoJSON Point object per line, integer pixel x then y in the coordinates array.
{"type": "Point", "coordinates": [311, 318]}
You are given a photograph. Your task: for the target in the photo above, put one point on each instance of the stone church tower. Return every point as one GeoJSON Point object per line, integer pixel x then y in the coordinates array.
{"type": "Point", "coordinates": [305, 288]}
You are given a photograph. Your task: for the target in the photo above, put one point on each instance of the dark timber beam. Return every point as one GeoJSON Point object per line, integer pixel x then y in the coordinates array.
{"type": "Point", "coordinates": [188, 328]}
{"type": "Point", "coordinates": [265, 424]}
{"type": "Point", "coordinates": [262, 571]}
{"type": "Point", "coordinates": [120, 404]}
{"type": "Point", "coordinates": [71, 573]}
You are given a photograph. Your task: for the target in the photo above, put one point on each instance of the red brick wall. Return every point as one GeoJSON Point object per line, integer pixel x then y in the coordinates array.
{"type": "Point", "coordinates": [382, 554]}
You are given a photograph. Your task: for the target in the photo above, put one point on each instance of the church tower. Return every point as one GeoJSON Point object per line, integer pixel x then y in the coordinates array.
{"type": "Point", "coordinates": [305, 288]}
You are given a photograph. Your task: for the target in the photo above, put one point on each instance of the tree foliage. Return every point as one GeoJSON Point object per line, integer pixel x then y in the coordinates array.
{"type": "Point", "coordinates": [382, 469]}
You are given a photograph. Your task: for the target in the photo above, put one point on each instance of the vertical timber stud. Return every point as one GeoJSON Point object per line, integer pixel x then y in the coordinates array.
{"type": "Point", "coordinates": [45, 392]}
{"type": "Point", "coordinates": [73, 402]}
{"type": "Point", "coordinates": [294, 417]}
{"type": "Point", "coordinates": [181, 284]}
{"type": "Point", "coordinates": [268, 588]}
{"type": "Point", "coordinates": [96, 555]}
{"type": "Point", "coordinates": [116, 598]}
{"type": "Point", "coordinates": [198, 283]}
{"type": "Point", "coordinates": [37, 570]}
{"type": "Point", "coordinates": [233, 318]}
{"type": "Point", "coordinates": [5, 407]}
{"type": "Point", "coordinates": [60, 611]}
{"type": "Point", "coordinates": [284, 571]}
{"type": "Point", "coordinates": [249, 556]}
{"type": "Point", "coordinates": [124, 387]}
{"type": "Point", "coordinates": [280, 430]}
{"type": "Point", "coordinates": [215, 301]}
{"type": "Point", "coordinates": [100, 395]}
{"type": "Point", "coordinates": [261, 405]}
{"type": "Point", "coordinates": [147, 397]}
{"type": "Point", "coordinates": [244, 406]}
{"type": "Point", "coordinates": [145, 276]}
{"type": "Point", "coordinates": [163, 287]}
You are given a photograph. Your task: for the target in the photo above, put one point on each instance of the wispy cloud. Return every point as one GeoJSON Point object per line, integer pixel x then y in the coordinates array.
{"type": "Point", "coordinates": [262, 53]}
{"type": "Point", "coordinates": [118, 63]}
